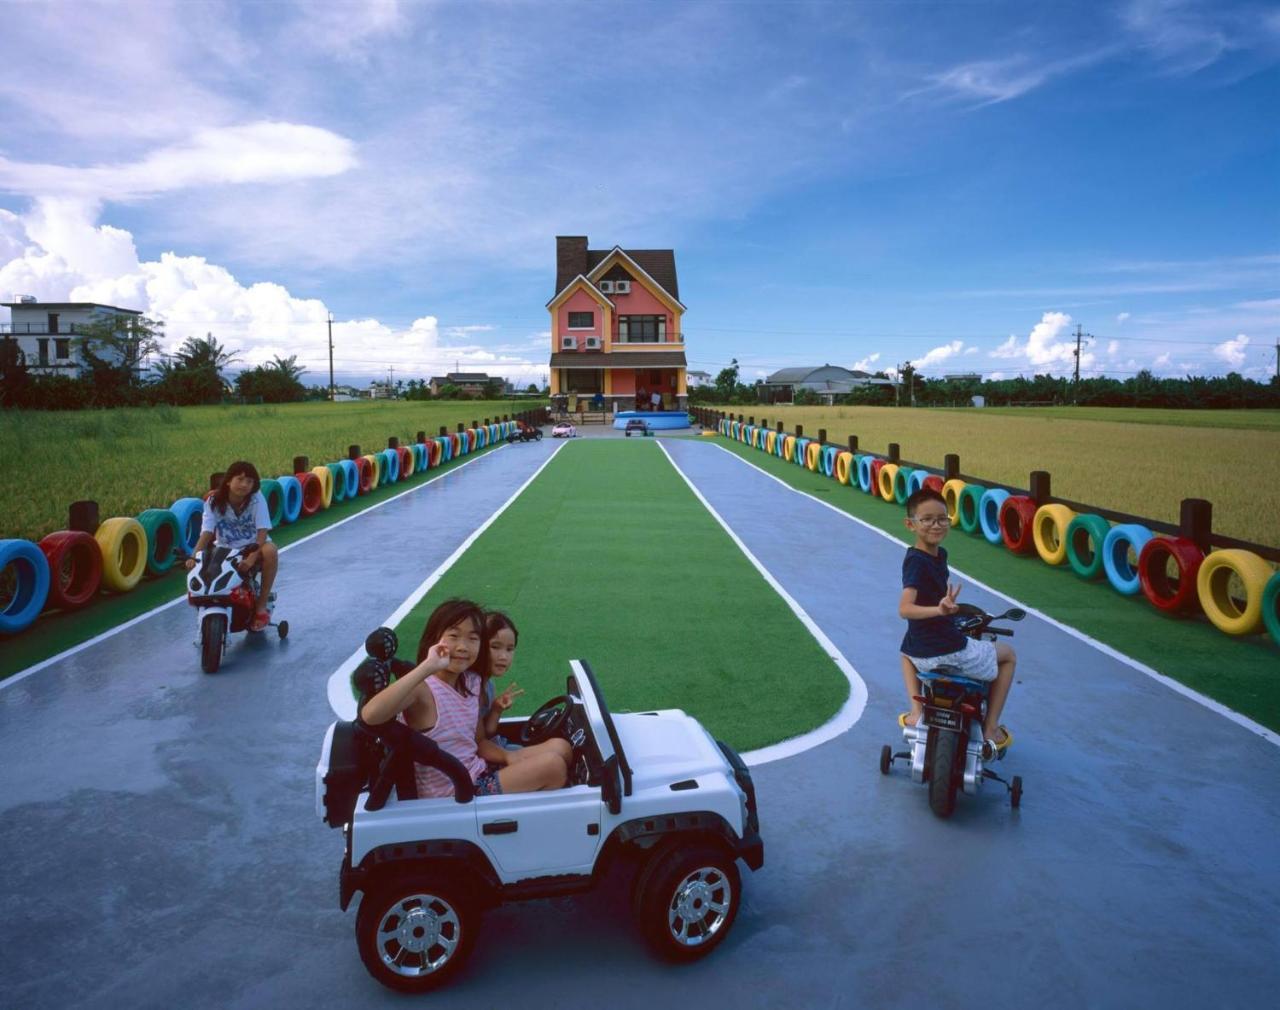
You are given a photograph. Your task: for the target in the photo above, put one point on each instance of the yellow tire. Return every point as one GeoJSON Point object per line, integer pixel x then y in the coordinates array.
{"type": "Point", "coordinates": [1049, 528]}
{"type": "Point", "coordinates": [325, 476]}
{"type": "Point", "coordinates": [375, 461]}
{"type": "Point", "coordinates": [951, 495]}
{"type": "Point", "coordinates": [771, 442]}
{"type": "Point", "coordinates": [124, 553]}
{"type": "Point", "coordinates": [811, 453]}
{"type": "Point", "coordinates": [887, 474]}
{"type": "Point", "coordinates": [1213, 584]}
{"type": "Point", "coordinates": [789, 449]}
{"type": "Point", "coordinates": [844, 464]}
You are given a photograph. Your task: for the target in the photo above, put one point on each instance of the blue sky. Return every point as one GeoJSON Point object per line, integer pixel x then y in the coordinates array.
{"type": "Point", "coordinates": [954, 184]}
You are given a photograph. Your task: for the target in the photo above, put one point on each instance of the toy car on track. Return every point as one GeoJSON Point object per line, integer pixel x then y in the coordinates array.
{"type": "Point", "coordinates": [564, 429]}
{"type": "Point", "coordinates": [636, 425]}
{"type": "Point", "coordinates": [653, 788]}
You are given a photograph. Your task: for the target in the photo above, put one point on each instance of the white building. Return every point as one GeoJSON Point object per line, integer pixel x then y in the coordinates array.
{"type": "Point", "coordinates": [697, 379]}
{"type": "Point", "coordinates": [46, 331]}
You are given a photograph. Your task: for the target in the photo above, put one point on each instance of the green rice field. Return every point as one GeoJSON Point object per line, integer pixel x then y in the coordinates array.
{"type": "Point", "coordinates": [130, 459]}
{"type": "Point", "coordinates": [1131, 460]}
{"type": "Point", "coordinates": [609, 557]}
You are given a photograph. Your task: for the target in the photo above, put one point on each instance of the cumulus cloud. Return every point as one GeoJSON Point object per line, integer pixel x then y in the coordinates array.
{"type": "Point", "coordinates": [1049, 343]}
{"type": "Point", "coordinates": [62, 254]}
{"type": "Point", "coordinates": [939, 354]}
{"type": "Point", "coordinates": [1113, 348]}
{"type": "Point", "coordinates": [253, 152]}
{"type": "Point", "coordinates": [1232, 351]}
{"type": "Point", "coordinates": [867, 364]}
{"type": "Point", "coordinates": [1162, 361]}
{"type": "Point", "coordinates": [1122, 317]}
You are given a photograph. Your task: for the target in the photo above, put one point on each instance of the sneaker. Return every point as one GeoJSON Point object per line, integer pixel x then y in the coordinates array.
{"type": "Point", "coordinates": [260, 621]}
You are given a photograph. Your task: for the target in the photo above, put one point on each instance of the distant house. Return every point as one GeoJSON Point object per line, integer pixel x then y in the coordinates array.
{"type": "Point", "coordinates": [826, 381]}
{"type": "Point", "coordinates": [381, 390]}
{"type": "Point", "coordinates": [698, 379]}
{"type": "Point", "coordinates": [45, 331]}
{"type": "Point", "coordinates": [471, 383]}
{"type": "Point", "coordinates": [615, 325]}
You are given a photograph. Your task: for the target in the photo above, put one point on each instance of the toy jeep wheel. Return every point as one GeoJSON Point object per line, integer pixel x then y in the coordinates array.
{"type": "Point", "coordinates": [686, 899]}
{"type": "Point", "coordinates": [414, 933]}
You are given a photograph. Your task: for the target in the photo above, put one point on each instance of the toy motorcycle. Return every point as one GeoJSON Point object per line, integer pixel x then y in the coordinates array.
{"type": "Point", "coordinates": [225, 601]}
{"type": "Point", "coordinates": [525, 433]}
{"type": "Point", "coordinates": [947, 745]}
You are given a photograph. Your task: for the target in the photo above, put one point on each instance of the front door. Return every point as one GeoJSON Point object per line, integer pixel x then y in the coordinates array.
{"type": "Point", "coordinates": [537, 834]}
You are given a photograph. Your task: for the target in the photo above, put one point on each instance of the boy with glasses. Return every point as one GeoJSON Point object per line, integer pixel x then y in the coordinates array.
{"type": "Point", "coordinates": [927, 604]}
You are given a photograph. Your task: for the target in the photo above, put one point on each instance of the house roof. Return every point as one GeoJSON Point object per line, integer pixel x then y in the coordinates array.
{"type": "Point", "coordinates": [619, 359]}
{"type": "Point", "coordinates": [809, 374]}
{"type": "Point", "coordinates": [573, 258]}
{"type": "Point", "coordinates": [468, 377]}
{"type": "Point", "coordinates": [69, 305]}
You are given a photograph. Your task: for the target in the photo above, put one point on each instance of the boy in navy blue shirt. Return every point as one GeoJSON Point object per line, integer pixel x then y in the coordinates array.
{"type": "Point", "coordinates": [927, 604]}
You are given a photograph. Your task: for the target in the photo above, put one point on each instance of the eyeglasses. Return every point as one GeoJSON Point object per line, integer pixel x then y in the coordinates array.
{"type": "Point", "coordinates": [931, 520]}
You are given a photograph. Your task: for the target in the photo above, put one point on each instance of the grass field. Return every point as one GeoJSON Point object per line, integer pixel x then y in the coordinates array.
{"type": "Point", "coordinates": [1139, 461]}
{"type": "Point", "coordinates": [609, 557]}
{"type": "Point", "coordinates": [131, 459]}
{"type": "Point", "coordinates": [1242, 673]}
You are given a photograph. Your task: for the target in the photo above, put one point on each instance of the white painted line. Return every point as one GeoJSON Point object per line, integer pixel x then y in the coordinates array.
{"type": "Point", "coordinates": [44, 663]}
{"type": "Point", "coordinates": [339, 685]}
{"type": "Point", "coordinates": [1213, 706]}
{"type": "Point", "coordinates": [850, 712]}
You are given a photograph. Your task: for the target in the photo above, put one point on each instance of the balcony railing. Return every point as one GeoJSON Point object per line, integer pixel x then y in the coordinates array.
{"type": "Point", "coordinates": [38, 330]}
{"type": "Point", "coordinates": [668, 338]}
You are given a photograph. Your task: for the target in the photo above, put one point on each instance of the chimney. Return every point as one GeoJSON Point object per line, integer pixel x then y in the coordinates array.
{"type": "Point", "coordinates": [571, 259]}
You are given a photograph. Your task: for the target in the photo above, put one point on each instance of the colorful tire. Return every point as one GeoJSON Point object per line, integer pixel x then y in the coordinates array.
{"type": "Point", "coordinates": [274, 495]}
{"type": "Point", "coordinates": [1172, 595]}
{"type": "Point", "coordinates": [433, 452]}
{"type": "Point", "coordinates": [338, 481]}
{"type": "Point", "coordinates": [802, 451]}
{"type": "Point", "coordinates": [968, 509]}
{"type": "Point", "coordinates": [1213, 585]}
{"type": "Point", "coordinates": [1115, 556]}
{"type": "Point", "coordinates": [408, 462]}
{"type": "Point", "coordinates": [789, 448]}
{"type": "Point", "coordinates": [375, 471]}
{"type": "Point", "coordinates": [1086, 534]}
{"type": "Point", "coordinates": [771, 442]}
{"type": "Point", "coordinates": [31, 589]}
{"type": "Point", "coordinates": [933, 482]}
{"type": "Point", "coordinates": [989, 506]}
{"type": "Point", "coordinates": [843, 467]}
{"type": "Point", "coordinates": [164, 539]}
{"type": "Point", "coordinates": [390, 466]}
{"type": "Point", "coordinates": [902, 484]}
{"type": "Point", "coordinates": [312, 493]}
{"type": "Point", "coordinates": [1049, 530]}
{"type": "Point", "coordinates": [876, 466]}
{"type": "Point", "coordinates": [325, 478]}
{"type": "Point", "coordinates": [75, 568]}
{"type": "Point", "coordinates": [189, 512]}
{"type": "Point", "coordinates": [350, 478]}
{"type": "Point", "coordinates": [1271, 607]}
{"type": "Point", "coordinates": [885, 479]}
{"type": "Point", "coordinates": [812, 456]}
{"type": "Point", "coordinates": [951, 492]}
{"type": "Point", "coordinates": [1018, 524]}
{"type": "Point", "coordinates": [419, 456]}
{"type": "Point", "coordinates": [455, 445]}
{"type": "Point", "coordinates": [915, 481]}
{"type": "Point", "coordinates": [780, 445]}
{"type": "Point", "coordinates": [862, 466]}
{"type": "Point", "coordinates": [292, 491]}
{"type": "Point", "coordinates": [365, 481]}
{"type": "Point", "coordinates": [123, 543]}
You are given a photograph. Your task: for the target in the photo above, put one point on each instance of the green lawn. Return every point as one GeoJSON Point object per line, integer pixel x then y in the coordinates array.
{"type": "Point", "coordinates": [609, 557]}
{"type": "Point", "coordinates": [1242, 673]}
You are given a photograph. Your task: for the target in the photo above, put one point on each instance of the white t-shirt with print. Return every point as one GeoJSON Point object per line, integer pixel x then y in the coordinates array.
{"type": "Point", "coordinates": [237, 529]}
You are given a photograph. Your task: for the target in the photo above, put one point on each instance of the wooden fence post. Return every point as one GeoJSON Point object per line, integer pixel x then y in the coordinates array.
{"type": "Point", "coordinates": [353, 452]}
{"type": "Point", "coordinates": [301, 464]}
{"type": "Point", "coordinates": [853, 444]}
{"type": "Point", "coordinates": [895, 452]}
{"type": "Point", "coordinates": [82, 516]}
{"type": "Point", "coordinates": [1196, 522]}
{"type": "Point", "coordinates": [951, 466]}
{"type": "Point", "coordinates": [1040, 492]}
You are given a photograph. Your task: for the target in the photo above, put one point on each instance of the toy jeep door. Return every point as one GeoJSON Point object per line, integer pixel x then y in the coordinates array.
{"type": "Point", "coordinates": [537, 834]}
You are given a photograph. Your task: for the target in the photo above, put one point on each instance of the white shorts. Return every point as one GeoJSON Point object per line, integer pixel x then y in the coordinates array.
{"type": "Point", "coordinates": [977, 660]}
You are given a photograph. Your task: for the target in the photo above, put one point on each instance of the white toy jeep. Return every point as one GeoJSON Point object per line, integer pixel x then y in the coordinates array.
{"type": "Point", "coordinates": [653, 786]}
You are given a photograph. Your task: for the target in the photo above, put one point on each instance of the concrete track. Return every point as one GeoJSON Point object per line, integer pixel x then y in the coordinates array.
{"type": "Point", "coordinates": [163, 850]}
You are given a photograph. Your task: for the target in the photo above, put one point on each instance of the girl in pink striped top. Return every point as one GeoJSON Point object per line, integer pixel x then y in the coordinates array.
{"type": "Point", "coordinates": [442, 696]}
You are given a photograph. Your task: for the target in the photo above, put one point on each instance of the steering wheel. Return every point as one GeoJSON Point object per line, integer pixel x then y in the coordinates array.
{"type": "Point", "coordinates": [546, 722]}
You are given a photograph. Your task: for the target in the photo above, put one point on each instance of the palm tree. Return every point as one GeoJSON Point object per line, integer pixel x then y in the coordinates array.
{"type": "Point", "coordinates": [197, 353]}
{"type": "Point", "coordinates": [288, 366]}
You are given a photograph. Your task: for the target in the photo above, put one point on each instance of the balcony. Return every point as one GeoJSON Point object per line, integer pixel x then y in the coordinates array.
{"type": "Point", "coordinates": [37, 330]}
{"type": "Point", "coordinates": [666, 340]}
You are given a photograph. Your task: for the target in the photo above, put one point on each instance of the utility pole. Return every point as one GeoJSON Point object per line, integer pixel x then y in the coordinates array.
{"type": "Point", "coordinates": [1278, 359]}
{"type": "Point", "coordinates": [1075, 386]}
{"type": "Point", "coordinates": [391, 383]}
{"type": "Point", "coordinates": [331, 396]}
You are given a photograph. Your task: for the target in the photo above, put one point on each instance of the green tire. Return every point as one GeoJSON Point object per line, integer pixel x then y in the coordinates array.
{"type": "Point", "coordinates": [339, 481]}
{"type": "Point", "coordinates": [164, 539]}
{"type": "Point", "coordinates": [1271, 607]}
{"type": "Point", "coordinates": [1085, 536]}
{"type": "Point", "coordinates": [902, 484]}
{"type": "Point", "coordinates": [970, 508]}
{"type": "Point", "coordinates": [274, 494]}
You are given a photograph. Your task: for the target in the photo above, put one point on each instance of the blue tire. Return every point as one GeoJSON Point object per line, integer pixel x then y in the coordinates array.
{"type": "Point", "coordinates": [989, 513]}
{"type": "Point", "coordinates": [32, 584]}
{"type": "Point", "coordinates": [350, 478]}
{"type": "Point", "coordinates": [390, 466]}
{"type": "Point", "coordinates": [190, 512]}
{"type": "Point", "coordinates": [916, 481]}
{"type": "Point", "coordinates": [1124, 577]}
{"type": "Point", "coordinates": [828, 461]}
{"type": "Point", "coordinates": [292, 492]}
{"type": "Point", "coordinates": [863, 464]}
{"type": "Point", "coordinates": [801, 445]}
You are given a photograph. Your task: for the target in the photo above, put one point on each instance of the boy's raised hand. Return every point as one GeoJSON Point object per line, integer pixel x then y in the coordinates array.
{"type": "Point", "coordinates": [507, 698]}
{"type": "Point", "coordinates": [948, 606]}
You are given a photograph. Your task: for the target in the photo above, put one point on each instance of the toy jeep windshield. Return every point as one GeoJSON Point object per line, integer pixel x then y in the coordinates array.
{"type": "Point", "coordinates": [651, 787]}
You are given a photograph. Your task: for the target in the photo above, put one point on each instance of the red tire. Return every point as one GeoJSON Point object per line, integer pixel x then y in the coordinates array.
{"type": "Point", "coordinates": [312, 493]}
{"type": "Point", "coordinates": [876, 466]}
{"type": "Point", "coordinates": [1173, 595]}
{"type": "Point", "coordinates": [1017, 524]}
{"type": "Point", "coordinates": [75, 568]}
{"type": "Point", "coordinates": [433, 453]}
{"type": "Point", "coordinates": [365, 469]}
{"type": "Point", "coordinates": [408, 463]}
{"type": "Point", "coordinates": [933, 482]}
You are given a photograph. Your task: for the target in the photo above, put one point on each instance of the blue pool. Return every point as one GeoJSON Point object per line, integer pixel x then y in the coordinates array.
{"type": "Point", "coordinates": [655, 419]}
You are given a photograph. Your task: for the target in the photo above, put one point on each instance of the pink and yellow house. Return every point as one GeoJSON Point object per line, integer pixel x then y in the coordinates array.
{"type": "Point", "coordinates": [615, 325]}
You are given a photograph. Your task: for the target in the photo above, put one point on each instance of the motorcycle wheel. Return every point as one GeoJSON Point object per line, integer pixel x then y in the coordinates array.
{"type": "Point", "coordinates": [213, 633]}
{"type": "Point", "coordinates": [537, 436]}
{"type": "Point", "coordinates": [282, 629]}
{"type": "Point", "coordinates": [1015, 792]}
{"type": "Point", "coordinates": [886, 758]}
{"type": "Point", "coordinates": [942, 780]}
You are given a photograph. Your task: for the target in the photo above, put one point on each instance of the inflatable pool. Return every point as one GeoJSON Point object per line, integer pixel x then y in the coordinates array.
{"type": "Point", "coordinates": [655, 419]}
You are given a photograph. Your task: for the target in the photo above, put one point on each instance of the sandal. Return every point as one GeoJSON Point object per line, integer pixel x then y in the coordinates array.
{"type": "Point", "coordinates": [902, 720]}
{"type": "Point", "coordinates": [997, 748]}
{"type": "Point", "coordinates": [260, 621]}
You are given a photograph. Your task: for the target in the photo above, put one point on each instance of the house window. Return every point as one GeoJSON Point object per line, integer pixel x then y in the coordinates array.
{"type": "Point", "coordinates": [642, 329]}
{"type": "Point", "coordinates": [43, 344]}
{"type": "Point", "coordinates": [582, 320]}
{"type": "Point", "coordinates": [62, 348]}
{"type": "Point", "coordinates": [53, 322]}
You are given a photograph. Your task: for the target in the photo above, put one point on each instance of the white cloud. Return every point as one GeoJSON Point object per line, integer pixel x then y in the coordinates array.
{"type": "Point", "coordinates": [1122, 317]}
{"type": "Point", "coordinates": [939, 354]}
{"type": "Point", "coordinates": [1113, 348]}
{"type": "Point", "coordinates": [1009, 349]}
{"type": "Point", "coordinates": [971, 350]}
{"type": "Point", "coordinates": [867, 364]}
{"type": "Point", "coordinates": [1232, 351]}
{"type": "Point", "coordinates": [1048, 343]}
{"type": "Point", "coordinates": [1163, 360]}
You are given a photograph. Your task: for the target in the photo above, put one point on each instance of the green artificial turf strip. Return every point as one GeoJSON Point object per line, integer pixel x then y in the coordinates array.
{"type": "Point", "coordinates": [608, 557]}
{"type": "Point", "coordinates": [1242, 673]}
{"type": "Point", "coordinates": [55, 631]}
